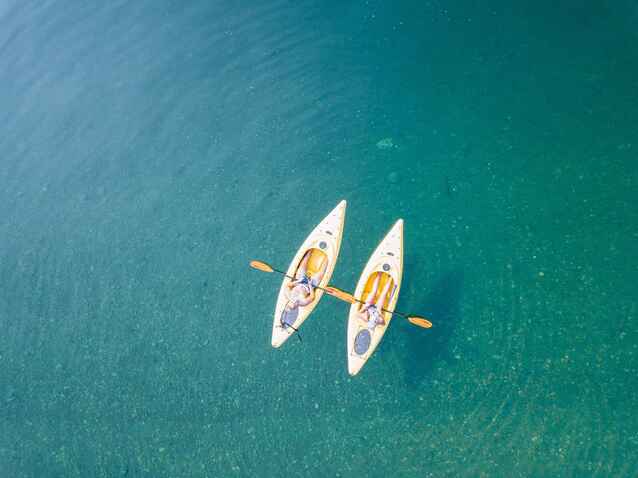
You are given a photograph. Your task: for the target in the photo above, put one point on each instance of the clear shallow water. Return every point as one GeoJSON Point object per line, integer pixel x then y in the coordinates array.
{"type": "Point", "coordinates": [149, 151]}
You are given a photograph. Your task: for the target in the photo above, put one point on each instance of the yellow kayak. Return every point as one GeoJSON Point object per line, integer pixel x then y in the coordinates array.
{"type": "Point", "coordinates": [320, 250]}
{"type": "Point", "coordinates": [385, 267]}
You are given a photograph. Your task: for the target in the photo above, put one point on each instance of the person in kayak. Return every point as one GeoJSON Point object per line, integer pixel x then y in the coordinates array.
{"type": "Point", "coordinates": [302, 289]}
{"type": "Point", "coordinates": [371, 312]}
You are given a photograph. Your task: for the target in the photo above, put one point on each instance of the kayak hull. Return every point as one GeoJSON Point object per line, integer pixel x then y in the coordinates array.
{"type": "Point", "coordinates": [324, 243]}
{"type": "Point", "coordinates": [387, 261]}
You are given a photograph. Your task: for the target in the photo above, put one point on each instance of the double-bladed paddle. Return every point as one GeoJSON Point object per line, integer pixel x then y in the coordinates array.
{"type": "Point", "coordinates": [345, 296]}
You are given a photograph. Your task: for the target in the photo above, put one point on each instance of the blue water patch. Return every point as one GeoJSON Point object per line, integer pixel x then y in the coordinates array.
{"type": "Point", "coordinates": [149, 150]}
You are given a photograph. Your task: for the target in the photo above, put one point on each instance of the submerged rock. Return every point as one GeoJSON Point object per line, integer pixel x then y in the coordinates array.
{"type": "Point", "coordinates": [386, 143]}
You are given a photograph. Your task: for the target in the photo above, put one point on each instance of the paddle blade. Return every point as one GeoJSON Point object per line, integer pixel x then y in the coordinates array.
{"type": "Point", "coordinates": [420, 321]}
{"type": "Point", "coordinates": [339, 294]}
{"type": "Point", "coordinates": [261, 266]}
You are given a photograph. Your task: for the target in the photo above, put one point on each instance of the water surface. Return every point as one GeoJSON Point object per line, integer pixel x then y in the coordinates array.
{"type": "Point", "coordinates": [149, 150]}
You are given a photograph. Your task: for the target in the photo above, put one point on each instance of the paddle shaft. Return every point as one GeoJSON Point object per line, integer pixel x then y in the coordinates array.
{"type": "Point", "coordinates": [353, 297]}
{"type": "Point", "coordinates": [401, 314]}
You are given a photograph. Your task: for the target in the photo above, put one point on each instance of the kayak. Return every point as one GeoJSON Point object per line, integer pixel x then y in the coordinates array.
{"type": "Point", "coordinates": [323, 246]}
{"type": "Point", "coordinates": [386, 263]}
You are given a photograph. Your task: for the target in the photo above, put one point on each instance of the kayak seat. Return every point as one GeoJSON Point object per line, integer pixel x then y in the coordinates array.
{"type": "Point", "coordinates": [315, 261]}
{"type": "Point", "coordinates": [367, 290]}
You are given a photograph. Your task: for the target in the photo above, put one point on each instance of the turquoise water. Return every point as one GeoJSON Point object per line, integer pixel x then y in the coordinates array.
{"type": "Point", "coordinates": [149, 150]}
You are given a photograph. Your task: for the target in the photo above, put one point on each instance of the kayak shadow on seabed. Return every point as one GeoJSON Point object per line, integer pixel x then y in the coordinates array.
{"type": "Point", "coordinates": [426, 349]}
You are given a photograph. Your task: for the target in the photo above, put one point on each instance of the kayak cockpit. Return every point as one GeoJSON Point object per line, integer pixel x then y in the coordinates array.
{"type": "Point", "coordinates": [384, 278]}
{"type": "Point", "coordinates": [315, 263]}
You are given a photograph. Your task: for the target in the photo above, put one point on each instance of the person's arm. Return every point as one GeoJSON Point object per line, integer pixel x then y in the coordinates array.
{"type": "Point", "coordinates": [381, 317]}
{"type": "Point", "coordinates": [307, 300]}
{"type": "Point", "coordinates": [362, 314]}
{"type": "Point", "coordinates": [293, 283]}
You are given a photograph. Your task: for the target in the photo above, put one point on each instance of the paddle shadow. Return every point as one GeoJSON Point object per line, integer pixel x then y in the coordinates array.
{"type": "Point", "coordinates": [428, 347]}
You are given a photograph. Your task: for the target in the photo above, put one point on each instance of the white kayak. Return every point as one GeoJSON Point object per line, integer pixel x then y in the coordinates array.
{"type": "Point", "coordinates": [322, 246]}
{"type": "Point", "coordinates": [385, 264]}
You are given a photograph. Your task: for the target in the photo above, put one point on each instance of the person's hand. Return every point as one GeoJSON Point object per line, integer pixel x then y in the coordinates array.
{"type": "Point", "coordinates": [293, 295]}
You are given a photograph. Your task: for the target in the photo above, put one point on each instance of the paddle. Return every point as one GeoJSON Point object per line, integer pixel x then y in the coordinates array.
{"type": "Point", "coordinates": [262, 266]}
{"type": "Point", "coordinates": [345, 296]}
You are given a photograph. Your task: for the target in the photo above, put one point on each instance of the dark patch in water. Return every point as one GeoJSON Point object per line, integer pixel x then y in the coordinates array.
{"type": "Point", "coordinates": [426, 348]}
